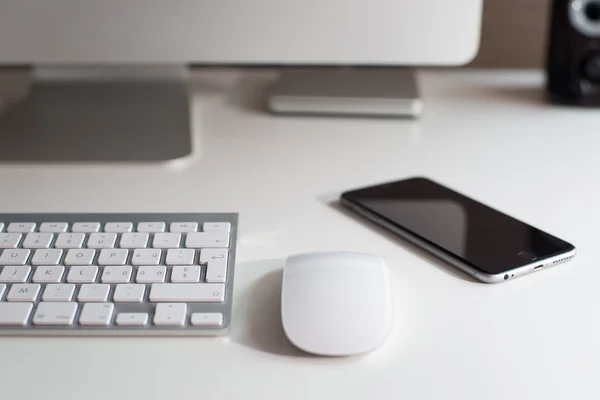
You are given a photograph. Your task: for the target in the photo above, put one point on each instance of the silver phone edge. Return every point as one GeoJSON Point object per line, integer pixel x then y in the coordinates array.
{"type": "Point", "coordinates": [482, 277]}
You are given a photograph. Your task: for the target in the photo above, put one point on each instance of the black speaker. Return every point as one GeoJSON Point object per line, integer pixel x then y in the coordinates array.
{"type": "Point", "coordinates": [573, 52]}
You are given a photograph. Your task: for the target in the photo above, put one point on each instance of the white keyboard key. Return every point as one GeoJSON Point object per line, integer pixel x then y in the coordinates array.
{"type": "Point", "coordinates": [10, 240]}
{"type": "Point", "coordinates": [54, 227]}
{"type": "Point", "coordinates": [151, 227]}
{"type": "Point", "coordinates": [82, 274]}
{"type": "Point", "coordinates": [166, 240]}
{"type": "Point", "coordinates": [55, 313]}
{"type": "Point", "coordinates": [132, 319]}
{"type": "Point", "coordinates": [38, 240]}
{"type": "Point", "coordinates": [172, 314]}
{"type": "Point", "coordinates": [97, 292]}
{"type": "Point", "coordinates": [113, 257]}
{"type": "Point", "coordinates": [187, 292]}
{"type": "Point", "coordinates": [69, 241]}
{"type": "Point", "coordinates": [2, 289]}
{"type": "Point", "coordinates": [15, 313]}
{"type": "Point", "coordinates": [146, 257]}
{"type": "Point", "coordinates": [48, 274]}
{"type": "Point", "coordinates": [216, 227]}
{"type": "Point", "coordinates": [86, 227]}
{"type": "Point", "coordinates": [23, 292]}
{"type": "Point", "coordinates": [151, 274]}
{"type": "Point", "coordinates": [211, 255]}
{"type": "Point", "coordinates": [183, 227]}
{"type": "Point", "coordinates": [117, 274]}
{"type": "Point", "coordinates": [132, 293]}
{"type": "Point", "coordinates": [80, 257]}
{"type": "Point", "coordinates": [198, 240]}
{"type": "Point", "coordinates": [207, 319]}
{"type": "Point", "coordinates": [21, 227]}
{"type": "Point", "coordinates": [98, 314]}
{"type": "Point", "coordinates": [14, 256]}
{"type": "Point", "coordinates": [216, 271]}
{"type": "Point", "coordinates": [134, 240]}
{"type": "Point", "coordinates": [118, 227]}
{"type": "Point", "coordinates": [59, 292]}
{"type": "Point", "coordinates": [47, 257]}
{"type": "Point", "coordinates": [101, 240]}
{"type": "Point", "coordinates": [15, 274]}
{"type": "Point", "coordinates": [180, 256]}
{"type": "Point", "coordinates": [216, 259]}
{"type": "Point", "coordinates": [185, 274]}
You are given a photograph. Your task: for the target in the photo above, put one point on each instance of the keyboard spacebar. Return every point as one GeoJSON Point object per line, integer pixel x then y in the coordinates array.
{"type": "Point", "coordinates": [187, 292]}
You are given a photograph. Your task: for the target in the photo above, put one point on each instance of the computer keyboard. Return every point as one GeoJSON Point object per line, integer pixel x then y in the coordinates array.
{"type": "Point", "coordinates": [116, 274]}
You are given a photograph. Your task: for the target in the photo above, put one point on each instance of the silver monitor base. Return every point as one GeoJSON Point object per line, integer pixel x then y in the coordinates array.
{"type": "Point", "coordinates": [337, 91]}
{"type": "Point", "coordinates": [94, 118]}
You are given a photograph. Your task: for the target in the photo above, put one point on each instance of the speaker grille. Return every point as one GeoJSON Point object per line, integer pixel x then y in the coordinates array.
{"type": "Point", "coordinates": [562, 259]}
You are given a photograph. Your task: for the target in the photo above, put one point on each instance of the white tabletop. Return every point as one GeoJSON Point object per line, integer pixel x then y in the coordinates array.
{"type": "Point", "coordinates": [489, 135]}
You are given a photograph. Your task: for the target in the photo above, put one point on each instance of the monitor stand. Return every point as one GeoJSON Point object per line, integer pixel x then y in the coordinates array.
{"type": "Point", "coordinates": [374, 92]}
{"type": "Point", "coordinates": [98, 115]}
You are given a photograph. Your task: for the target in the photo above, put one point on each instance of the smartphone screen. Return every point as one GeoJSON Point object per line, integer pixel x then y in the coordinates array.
{"type": "Point", "coordinates": [483, 238]}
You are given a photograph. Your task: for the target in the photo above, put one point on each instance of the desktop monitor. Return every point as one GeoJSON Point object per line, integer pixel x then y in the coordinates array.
{"type": "Point", "coordinates": [59, 35]}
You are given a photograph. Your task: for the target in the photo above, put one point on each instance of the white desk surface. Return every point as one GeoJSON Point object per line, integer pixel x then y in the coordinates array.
{"type": "Point", "coordinates": [489, 135]}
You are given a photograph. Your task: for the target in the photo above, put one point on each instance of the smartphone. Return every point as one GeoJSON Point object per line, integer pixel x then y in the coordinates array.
{"type": "Point", "coordinates": [479, 240]}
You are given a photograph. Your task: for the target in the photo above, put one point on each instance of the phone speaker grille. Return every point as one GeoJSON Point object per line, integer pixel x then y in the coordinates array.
{"type": "Point", "coordinates": [562, 259]}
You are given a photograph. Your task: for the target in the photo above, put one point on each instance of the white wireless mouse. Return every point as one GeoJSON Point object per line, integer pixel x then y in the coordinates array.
{"type": "Point", "coordinates": [336, 304]}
